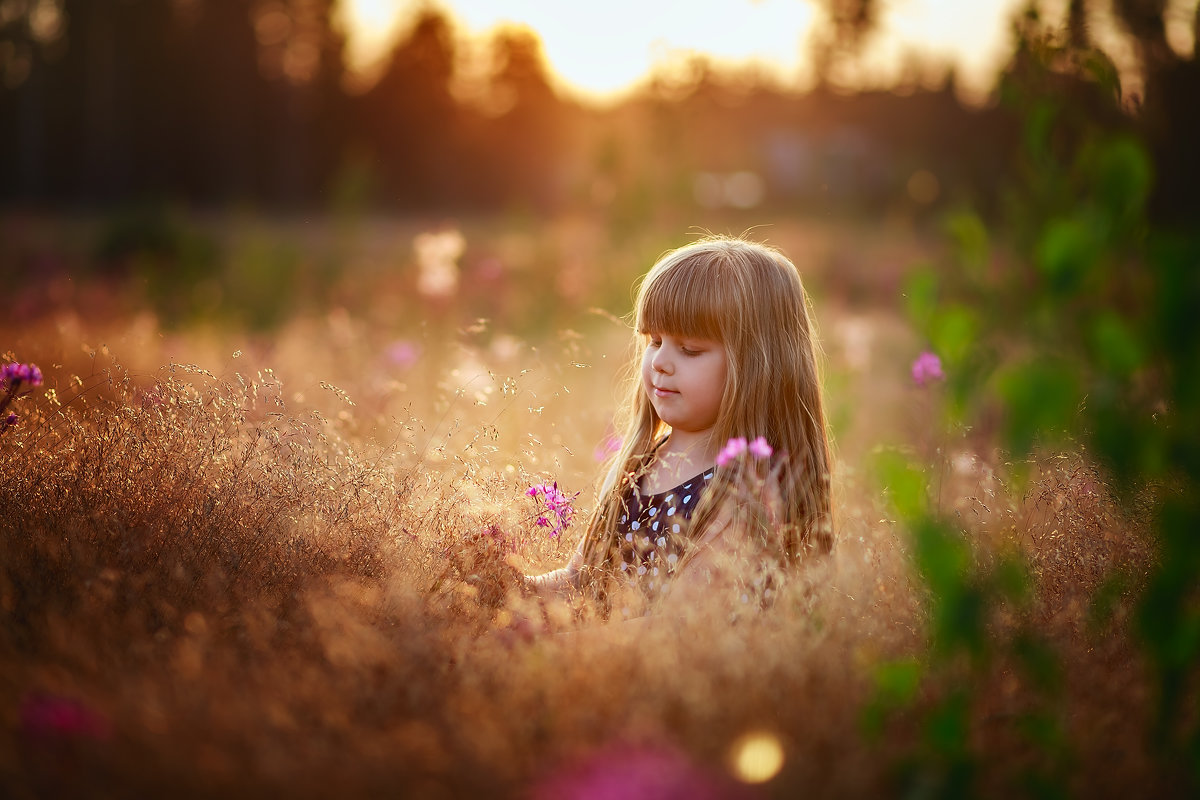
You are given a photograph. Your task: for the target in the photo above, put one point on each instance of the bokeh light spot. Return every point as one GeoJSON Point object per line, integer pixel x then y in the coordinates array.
{"type": "Point", "coordinates": [924, 187]}
{"type": "Point", "coordinates": [756, 757]}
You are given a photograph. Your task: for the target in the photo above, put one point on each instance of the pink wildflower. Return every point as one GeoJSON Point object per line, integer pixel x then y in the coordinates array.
{"type": "Point", "coordinates": [927, 368]}
{"type": "Point", "coordinates": [733, 449]}
{"type": "Point", "coordinates": [13, 375]}
{"type": "Point", "coordinates": [611, 444]}
{"type": "Point", "coordinates": [47, 715]}
{"type": "Point", "coordinates": [760, 449]}
{"type": "Point", "coordinates": [558, 509]}
{"type": "Point", "coordinates": [627, 771]}
{"type": "Point", "coordinates": [402, 353]}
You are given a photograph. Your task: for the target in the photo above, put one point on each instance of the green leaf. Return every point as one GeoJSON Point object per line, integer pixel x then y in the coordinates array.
{"type": "Point", "coordinates": [920, 296]}
{"type": "Point", "coordinates": [943, 559]}
{"type": "Point", "coordinates": [896, 684]}
{"type": "Point", "coordinates": [1122, 175]}
{"type": "Point", "coordinates": [904, 482]}
{"type": "Point", "coordinates": [954, 332]}
{"type": "Point", "coordinates": [1100, 68]}
{"type": "Point", "coordinates": [1038, 127]}
{"type": "Point", "coordinates": [970, 237]}
{"type": "Point", "coordinates": [1066, 252]}
{"type": "Point", "coordinates": [1011, 579]}
{"type": "Point", "coordinates": [946, 728]}
{"type": "Point", "coordinates": [1041, 399]}
{"type": "Point", "coordinates": [1038, 661]}
{"type": "Point", "coordinates": [1117, 349]}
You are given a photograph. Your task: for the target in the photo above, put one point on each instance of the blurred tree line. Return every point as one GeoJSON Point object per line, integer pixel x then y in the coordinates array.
{"type": "Point", "coordinates": [210, 102]}
{"type": "Point", "coordinates": [245, 101]}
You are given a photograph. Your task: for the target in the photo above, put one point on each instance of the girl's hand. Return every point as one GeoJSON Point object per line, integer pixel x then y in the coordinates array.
{"type": "Point", "coordinates": [557, 581]}
{"type": "Point", "coordinates": [549, 582]}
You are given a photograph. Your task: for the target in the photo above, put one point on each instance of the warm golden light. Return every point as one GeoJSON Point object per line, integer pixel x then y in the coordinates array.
{"type": "Point", "coordinates": [756, 757]}
{"type": "Point", "coordinates": [599, 51]}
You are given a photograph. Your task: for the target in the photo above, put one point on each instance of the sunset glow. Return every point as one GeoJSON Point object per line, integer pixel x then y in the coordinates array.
{"type": "Point", "coordinates": [599, 51]}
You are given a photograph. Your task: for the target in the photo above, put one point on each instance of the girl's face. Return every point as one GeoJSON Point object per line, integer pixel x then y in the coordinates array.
{"type": "Point", "coordinates": [684, 377]}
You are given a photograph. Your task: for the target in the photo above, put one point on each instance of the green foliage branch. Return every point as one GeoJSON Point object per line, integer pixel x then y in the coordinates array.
{"type": "Point", "coordinates": [1083, 330]}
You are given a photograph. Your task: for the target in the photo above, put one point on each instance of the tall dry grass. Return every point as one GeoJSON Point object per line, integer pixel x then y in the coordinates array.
{"type": "Point", "coordinates": [294, 572]}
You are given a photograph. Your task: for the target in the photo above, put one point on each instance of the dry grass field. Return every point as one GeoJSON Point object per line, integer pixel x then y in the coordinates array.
{"type": "Point", "coordinates": [279, 558]}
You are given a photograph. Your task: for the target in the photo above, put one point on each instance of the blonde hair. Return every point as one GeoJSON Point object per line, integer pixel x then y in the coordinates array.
{"type": "Point", "coordinates": [749, 297]}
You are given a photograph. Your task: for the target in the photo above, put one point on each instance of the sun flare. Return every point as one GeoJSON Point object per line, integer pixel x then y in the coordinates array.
{"type": "Point", "coordinates": [600, 52]}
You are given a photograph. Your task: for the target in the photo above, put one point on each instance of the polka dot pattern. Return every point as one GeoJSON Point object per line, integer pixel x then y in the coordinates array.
{"type": "Point", "coordinates": [658, 515]}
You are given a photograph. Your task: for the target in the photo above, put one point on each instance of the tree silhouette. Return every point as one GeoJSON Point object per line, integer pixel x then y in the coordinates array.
{"type": "Point", "coordinates": [409, 121]}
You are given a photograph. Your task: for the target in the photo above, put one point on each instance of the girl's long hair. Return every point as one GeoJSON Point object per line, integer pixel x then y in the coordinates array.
{"type": "Point", "coordinates": [749, 297]}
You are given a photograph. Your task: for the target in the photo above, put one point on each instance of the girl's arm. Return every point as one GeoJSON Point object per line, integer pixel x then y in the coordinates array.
{"type": "Point", "coordinates": [561, 579]}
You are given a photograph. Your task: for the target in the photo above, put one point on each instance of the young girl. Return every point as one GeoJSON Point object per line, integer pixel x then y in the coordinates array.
{"type": "Point", "coordinates": [727, 353]}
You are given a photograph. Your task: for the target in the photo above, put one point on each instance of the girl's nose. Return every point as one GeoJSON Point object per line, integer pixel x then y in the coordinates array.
{"type": "Point", "coordinates": [661, 362]}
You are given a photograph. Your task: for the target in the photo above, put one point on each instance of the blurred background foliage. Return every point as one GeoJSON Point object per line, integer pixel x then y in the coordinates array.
{"type": "Point", "coordinates": [247, 102]}
{"type": "Point", "coordinates": [159, 128]}
{"type": "Point", "coordinates": [1067, 321]}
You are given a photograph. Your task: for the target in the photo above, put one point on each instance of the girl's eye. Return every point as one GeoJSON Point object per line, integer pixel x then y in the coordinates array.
{"type": "Point", "coordinates": [689, 352]}
{"type": "Point", "coordinates": [655, 342]}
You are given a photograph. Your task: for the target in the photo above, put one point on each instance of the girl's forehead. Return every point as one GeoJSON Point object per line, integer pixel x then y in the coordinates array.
{"type": "Point", "coordinates": [685, 299]}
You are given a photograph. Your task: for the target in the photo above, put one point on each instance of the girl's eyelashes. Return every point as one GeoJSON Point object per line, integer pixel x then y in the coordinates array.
{"type": "Point", "coordinates": [656, 341]}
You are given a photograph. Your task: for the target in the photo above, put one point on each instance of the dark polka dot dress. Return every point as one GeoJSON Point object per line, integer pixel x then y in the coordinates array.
{"type": "Point", "coordinates": [649, 531]}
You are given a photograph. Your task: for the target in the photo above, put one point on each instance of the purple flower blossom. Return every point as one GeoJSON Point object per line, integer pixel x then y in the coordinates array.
{"type": "Point", "coordinates": [11, 419]}
{"type": "Point", "coordinates": [734, 448]}
{"type": "Point", "coordinates": [760, 449]}
{"type": "Point", "coordinates": [51, 716]}
{"type": "Point", "coordinates": [13, 375]}
{"type": "Point", "coordinates": [636, 772]}
{"type": "Point", "coordinates": [611, 444]}
{"type": "Point", "coordinates": [558, 509]}
{"type": "Point", "coordinates": [927, 367]}
{"type": "Point", "coordinates": [402, 353]}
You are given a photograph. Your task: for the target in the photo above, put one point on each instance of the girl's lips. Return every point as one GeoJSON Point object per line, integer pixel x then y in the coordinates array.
{"type": "Point", "coordinates": [659, 392]}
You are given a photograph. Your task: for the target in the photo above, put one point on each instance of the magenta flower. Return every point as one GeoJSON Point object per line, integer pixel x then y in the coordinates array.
{"type": "Point", "coordinates": [628, 771]}
{"type": "Point", "coordinates": [13, 378]}
{"type": "Point", "coordinates": [13, 375]}
{"type": "Point", "coordinates": [402, 353]}
{"type": "Point", "coordinates": [51, 716]}
{"type": "Point", "coordinates": [927, 368]}
{"type": "Point", "coordinates": [733, 448]}
{"type": "Point", "coordinates": [611, 444]}
{"type": "Point", "coordinates": [558, 511]}
{"type": "Point", "coordinates": [760, 449]}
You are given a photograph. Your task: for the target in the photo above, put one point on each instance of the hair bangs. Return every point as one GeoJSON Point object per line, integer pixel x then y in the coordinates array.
{"type": "Point", "coordinates": [681, 297]}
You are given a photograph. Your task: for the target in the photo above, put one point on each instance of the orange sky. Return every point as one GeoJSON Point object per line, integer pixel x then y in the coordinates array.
{"type": "Point", "coordinates": [598, 50]}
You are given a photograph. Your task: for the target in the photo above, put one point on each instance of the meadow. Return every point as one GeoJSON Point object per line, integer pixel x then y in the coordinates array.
{"type": "Point", "coordinates": [263, 521]}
